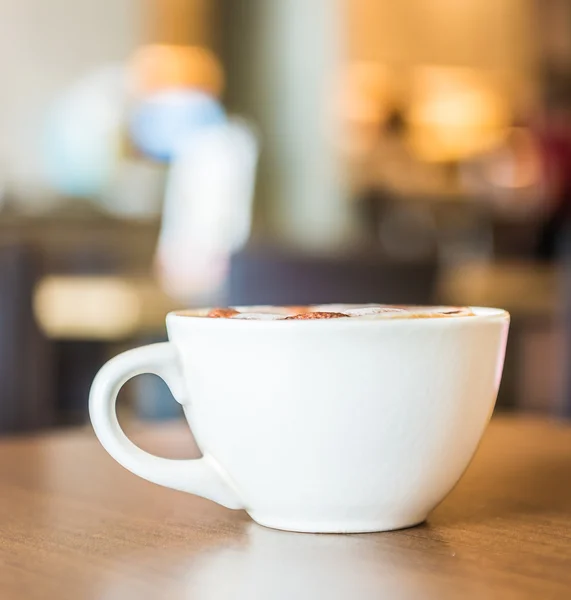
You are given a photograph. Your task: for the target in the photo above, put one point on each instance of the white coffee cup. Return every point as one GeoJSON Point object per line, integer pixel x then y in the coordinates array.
{"type": "Point", "coordinates": [337, 425]}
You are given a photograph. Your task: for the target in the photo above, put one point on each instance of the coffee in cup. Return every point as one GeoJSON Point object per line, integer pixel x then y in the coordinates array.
{"type": "Point", "coordinates": [360, 421]}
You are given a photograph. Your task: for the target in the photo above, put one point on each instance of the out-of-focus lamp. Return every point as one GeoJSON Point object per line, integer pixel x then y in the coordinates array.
{"type": "Point", "coordinates": [455, 113]}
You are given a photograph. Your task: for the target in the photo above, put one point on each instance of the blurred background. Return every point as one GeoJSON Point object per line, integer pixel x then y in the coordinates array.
{"type": "Point", "coordinates": [160, 154]}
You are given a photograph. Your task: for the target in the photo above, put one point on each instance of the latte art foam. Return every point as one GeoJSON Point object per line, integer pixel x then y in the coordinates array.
{"type": "Point", "coordinates": [332, 311]}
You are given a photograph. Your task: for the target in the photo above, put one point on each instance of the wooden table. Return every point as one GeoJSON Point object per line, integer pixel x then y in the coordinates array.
{"type": "Point", "coordinates": [74, 524]}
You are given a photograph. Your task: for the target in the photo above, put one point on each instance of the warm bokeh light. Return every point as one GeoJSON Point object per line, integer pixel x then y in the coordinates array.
{"type": "Point", "coordinates": [158, 67]}
{"type": "Point", "coordinates": [101, 308]}
{"type": "Point", "coordinates": [455, 113]}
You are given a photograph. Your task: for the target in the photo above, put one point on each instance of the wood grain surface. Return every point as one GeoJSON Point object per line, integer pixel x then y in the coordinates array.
{"type": "Point", "coordinates": [74, 524]}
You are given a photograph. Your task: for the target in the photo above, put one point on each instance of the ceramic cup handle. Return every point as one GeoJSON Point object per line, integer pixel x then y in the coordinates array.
{"type": "Point", "coordinates": [199, 476]}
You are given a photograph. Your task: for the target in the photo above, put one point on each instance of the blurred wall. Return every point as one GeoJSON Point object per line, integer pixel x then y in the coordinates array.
{"type": "Point", "coordinates": [45, 45]}
{"type": "Point", "coordinates": [499, 35]}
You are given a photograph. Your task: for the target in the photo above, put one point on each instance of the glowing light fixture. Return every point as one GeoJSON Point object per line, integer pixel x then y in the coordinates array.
{"type": "Point", "coordinates": [455, 113]}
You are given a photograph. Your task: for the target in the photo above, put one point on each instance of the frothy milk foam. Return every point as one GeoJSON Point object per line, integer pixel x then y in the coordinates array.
{"type": "Point", "coordinates": [331, 311]}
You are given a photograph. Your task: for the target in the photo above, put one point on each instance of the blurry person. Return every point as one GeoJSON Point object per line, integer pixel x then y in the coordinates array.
{"type": "Point", "coordinates": [376, 195]}
{"type": "Point", "coordinates": [206, 216]}
{"type": "Point", "coordinates": [207, 210]}
{"type": "Point", "coordinates": [154, 68]}
{"type": "Point", "coordinates": [162, 122]}
{"type": "Point", "coordinates": [391, 174]}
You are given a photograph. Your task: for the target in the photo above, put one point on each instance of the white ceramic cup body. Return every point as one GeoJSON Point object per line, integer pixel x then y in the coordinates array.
{"type": "Point", "coordinates": [342, 425]}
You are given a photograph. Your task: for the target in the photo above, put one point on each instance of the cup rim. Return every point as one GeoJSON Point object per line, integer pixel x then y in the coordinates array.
{"type": "Point", "coordinates": [481, 313]}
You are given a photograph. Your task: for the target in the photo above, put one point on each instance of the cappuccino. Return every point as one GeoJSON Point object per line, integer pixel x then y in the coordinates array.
{"type": "Point", "coordinates": [332, 311]}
